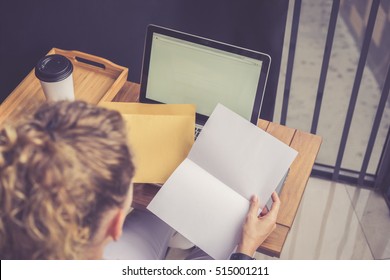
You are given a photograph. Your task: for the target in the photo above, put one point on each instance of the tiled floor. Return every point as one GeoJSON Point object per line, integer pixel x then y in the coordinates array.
{"type": "Point", "coordinates": [327, 226]}
{"type": "Point", "coordinates": [335, 221]}
{"type": "Point", "coordinates": [374, 217]}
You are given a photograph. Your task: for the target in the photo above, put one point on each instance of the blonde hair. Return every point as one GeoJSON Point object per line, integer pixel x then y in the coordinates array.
{"type": "Point", "coordinates": [60, 170]}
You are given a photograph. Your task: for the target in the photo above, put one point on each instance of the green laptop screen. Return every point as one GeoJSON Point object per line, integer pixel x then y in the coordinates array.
{"type": "Point", "coordinates": [186, 72]}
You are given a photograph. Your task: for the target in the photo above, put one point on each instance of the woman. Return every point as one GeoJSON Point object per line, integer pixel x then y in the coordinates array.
{"type": "Point", "coordinates": [65, 188]}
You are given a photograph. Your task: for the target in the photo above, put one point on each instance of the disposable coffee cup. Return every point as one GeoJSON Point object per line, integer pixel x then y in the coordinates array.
{"type": "Point", "coordinates": [55, 74]}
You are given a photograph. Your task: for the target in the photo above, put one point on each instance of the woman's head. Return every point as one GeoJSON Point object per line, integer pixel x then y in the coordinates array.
{"type": "Point", "coordinates": [61, 170]}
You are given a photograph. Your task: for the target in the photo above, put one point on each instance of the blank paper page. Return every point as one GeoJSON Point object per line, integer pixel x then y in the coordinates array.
{"type": "Point", "coordinates": [202, 209]}
{"type": "Point", "coordinates": [241, 155]}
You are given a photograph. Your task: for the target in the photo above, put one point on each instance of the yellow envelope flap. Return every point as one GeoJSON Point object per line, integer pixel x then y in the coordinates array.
{"type": "Point", "coordinates": [151, 109]}
{"type": "Point", "coordinates": [159, 139]}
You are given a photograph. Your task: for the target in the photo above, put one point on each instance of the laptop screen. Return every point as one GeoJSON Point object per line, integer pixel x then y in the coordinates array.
{"type": "Point", "coordinates": [189, 69]}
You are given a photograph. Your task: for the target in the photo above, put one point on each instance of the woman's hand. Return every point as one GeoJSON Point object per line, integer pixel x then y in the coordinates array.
{"type": "Point", "coordinates": [257, 228]}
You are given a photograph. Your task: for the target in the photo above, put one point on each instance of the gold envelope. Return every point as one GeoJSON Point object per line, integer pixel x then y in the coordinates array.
{"type": "Point", "coordinates": [160, 137]}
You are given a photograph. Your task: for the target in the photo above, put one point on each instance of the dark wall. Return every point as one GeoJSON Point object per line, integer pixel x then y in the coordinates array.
{"type": "Point", "coordinates": [115, 29]}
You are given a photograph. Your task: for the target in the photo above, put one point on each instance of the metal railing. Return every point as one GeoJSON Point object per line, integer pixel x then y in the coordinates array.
{"type": "Point", "coordinates": [336, 172]}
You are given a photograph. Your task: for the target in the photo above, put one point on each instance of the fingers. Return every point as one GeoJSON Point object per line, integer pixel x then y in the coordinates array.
{"type": "Point", "coordinates": [254, 206]}
{"type": "Point", "coordinates": [275, 197]}
{"type": "Point", "coordinates": [275, 205]}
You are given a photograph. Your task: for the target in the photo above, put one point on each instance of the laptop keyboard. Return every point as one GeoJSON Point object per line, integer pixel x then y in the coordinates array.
{"type": "Point", "coordinates": [197, 131]}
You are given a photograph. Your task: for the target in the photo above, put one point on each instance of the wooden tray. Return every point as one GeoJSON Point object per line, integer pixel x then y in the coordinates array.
{"type": "Point", "coordinates": [95, 80]}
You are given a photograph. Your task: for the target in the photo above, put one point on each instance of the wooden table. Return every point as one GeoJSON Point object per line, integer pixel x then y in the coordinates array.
{"type": "Point", "coordinates": [306, 144]}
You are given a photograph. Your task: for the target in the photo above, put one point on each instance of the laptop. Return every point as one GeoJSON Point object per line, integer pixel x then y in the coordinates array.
{"type": "Point", "coordinates": [180, 68]}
